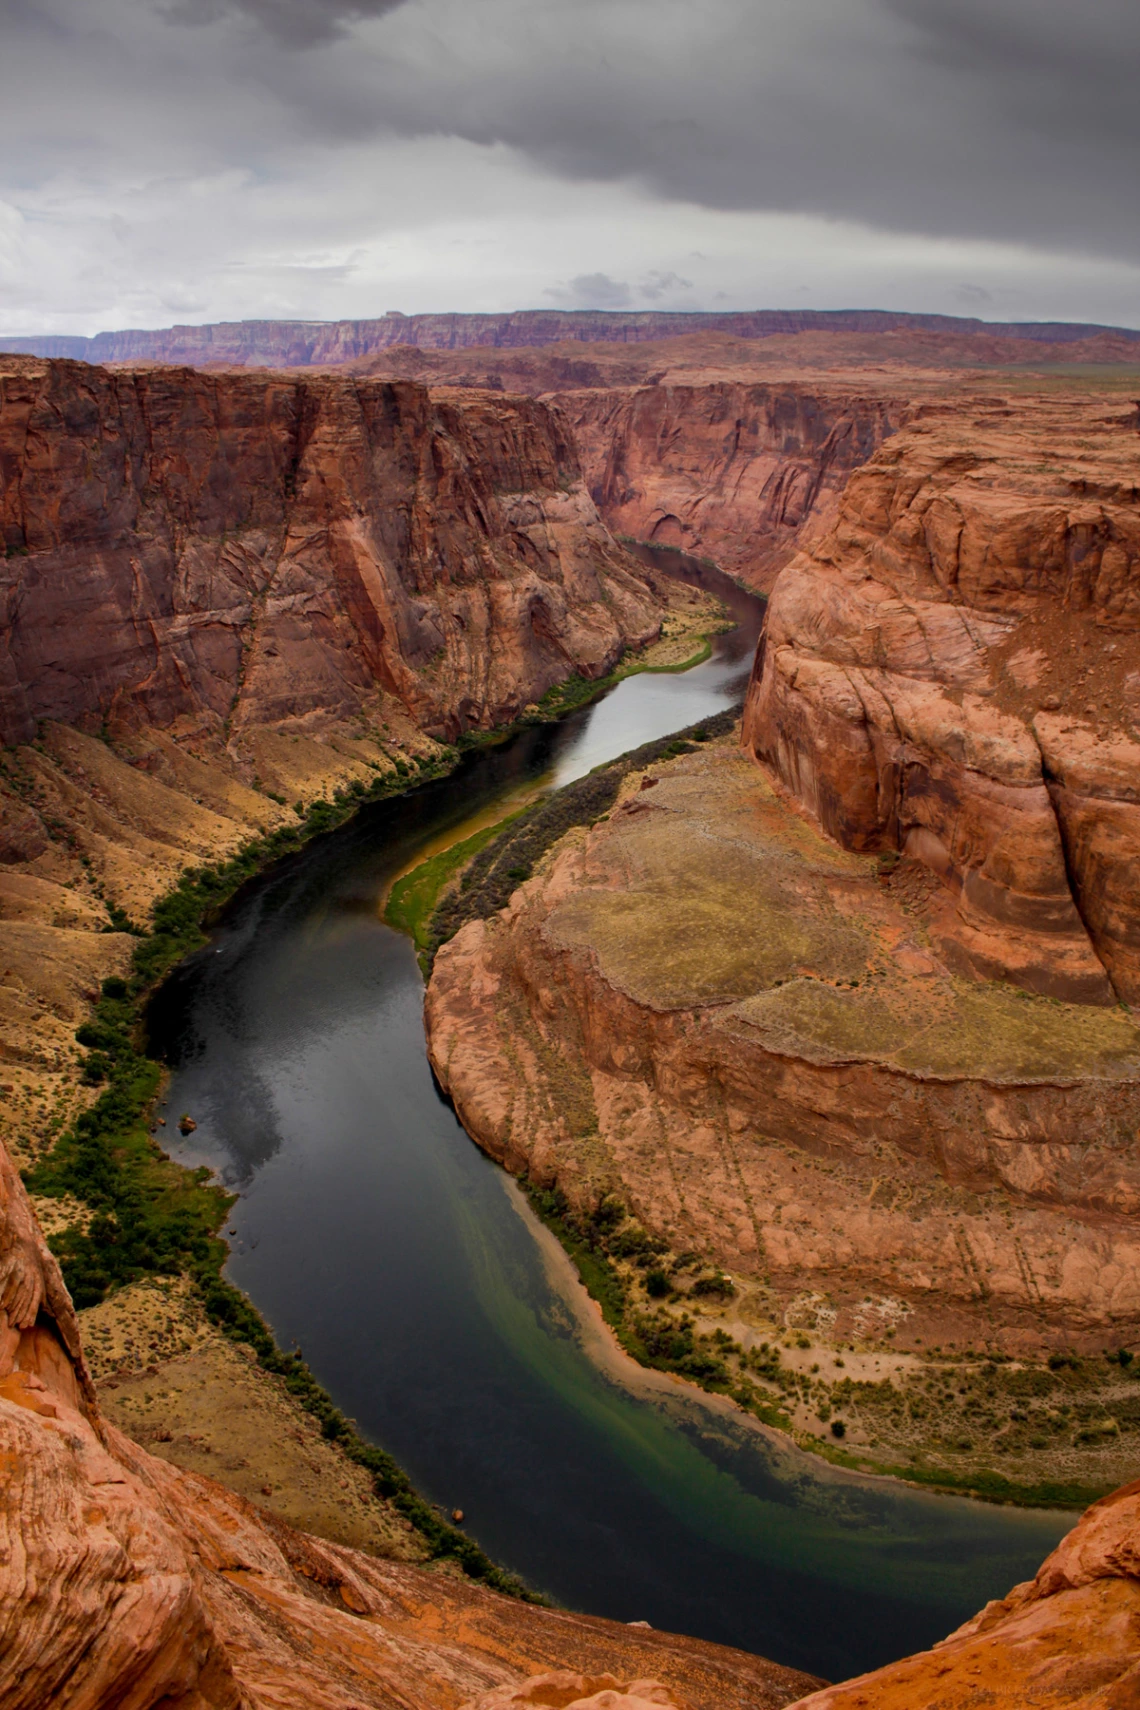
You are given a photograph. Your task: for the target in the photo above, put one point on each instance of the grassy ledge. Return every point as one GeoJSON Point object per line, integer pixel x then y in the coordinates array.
{"type": "Point", "coordinates": [508, 856]}
{"type": "Point", "coordinates": [414, 898]}
{"type": "Point", "coordinates": [150, 1216]}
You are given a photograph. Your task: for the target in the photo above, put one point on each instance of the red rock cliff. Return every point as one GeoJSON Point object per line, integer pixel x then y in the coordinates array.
{"type": "Point", "coordinates": [953, 673]}
{"type": "Point", "coordinates": [226, 552]}
{"type": "Point", "coordinates": [738, 473]}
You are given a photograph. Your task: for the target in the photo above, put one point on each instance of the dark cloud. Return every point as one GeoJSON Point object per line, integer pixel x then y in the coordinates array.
{"type": "Point", "coordinates": [1012, 122]}
{"type": "Point", "coordinates": [997, 119]}
{"type": "Point", "coordinates": [294, 23]}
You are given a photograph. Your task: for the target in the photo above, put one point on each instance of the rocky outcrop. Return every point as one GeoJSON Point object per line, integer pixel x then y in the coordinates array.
{"type": "Point", "coordinates": [707, 1009]}
{"type": "Point", "coordinates": [952, 673]}
{"type": "Point", "coordinates": [292, 343]}
{"type": "Point", "coordinates": [229, 553]}
{"type": "Point", "coordinates": [739, 473]}
{"type": "Point", "coordinates": [125, 1581]}
{"type": "Point", "coordinates": [1067, 1639]}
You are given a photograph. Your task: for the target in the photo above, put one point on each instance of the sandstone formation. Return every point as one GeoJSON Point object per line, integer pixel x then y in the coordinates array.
{"type": "Point", "coordinates": [707, 1008]}
{"type": "Point", "coordinates": [952, 673]}
{"type": "Point", "coordinates": [299, 343]}
{"type": "Point", "coordinates": [227, 553]}
{"type": "Point", "coordinates": [124, 1581]}
{"type": "Point", "coordinates": [1067, 1640]}
{"type": "Point", "coordinates": [741, 474]}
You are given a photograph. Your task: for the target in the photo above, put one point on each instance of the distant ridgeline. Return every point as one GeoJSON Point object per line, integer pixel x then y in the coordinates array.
{"type": "Point", "coordinates": [300, 343]}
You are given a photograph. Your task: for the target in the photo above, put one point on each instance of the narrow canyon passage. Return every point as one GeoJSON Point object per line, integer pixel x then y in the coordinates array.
{"type": "Point", "coordinates": [424, 1295]}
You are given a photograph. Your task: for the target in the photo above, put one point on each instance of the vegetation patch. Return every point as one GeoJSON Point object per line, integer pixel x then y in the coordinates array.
{"type": "Point", "coordinates": [510, 858]}
{"type": "Point", "coordinates": [413, 899]}
{"type": "Point", "coordinates": [609, 1248]}
{"type": "Point", "coordinates": [947, 1423]}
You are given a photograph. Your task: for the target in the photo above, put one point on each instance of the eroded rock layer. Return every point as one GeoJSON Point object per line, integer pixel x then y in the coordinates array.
{"type": "Point", "coordinates": [228, 552]}
{"type": "Point", "coordinates": [954, 672]}
{"type": "Point", "coordinates": [739, 473]}
{"type": "Point", "coordinates": [707, 1008]}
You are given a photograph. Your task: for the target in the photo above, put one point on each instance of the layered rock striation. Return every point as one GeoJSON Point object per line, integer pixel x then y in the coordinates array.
{"type": "Point", "coordinates": [952, 673]}
{"type": "Point", "coordinates": [225, 553]}
{"type": "Point", "coordinates": [739, 473]}
{"type": "Point", "coordinates": [292, 343]}
{"type": "Point", "coordinates": [854, 1024]}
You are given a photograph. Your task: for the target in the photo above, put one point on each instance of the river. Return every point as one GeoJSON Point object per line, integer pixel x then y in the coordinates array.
{"type": "Point", "coordinates": [427, 1299]}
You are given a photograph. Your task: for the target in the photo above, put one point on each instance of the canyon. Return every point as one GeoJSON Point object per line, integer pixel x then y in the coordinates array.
{"type": "Point", "coordinates": [839, 1009]}
{"type": "Point", "coordinates": [227, 599]}
{"type": "Point", "coordinates": [125, 1581]}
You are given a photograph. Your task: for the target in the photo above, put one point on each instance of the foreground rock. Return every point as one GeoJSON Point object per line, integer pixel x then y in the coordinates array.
{"type": "Point", "coordinates": [1068, 1638]}
{"type": "Point", "coordinates": [953, 673]}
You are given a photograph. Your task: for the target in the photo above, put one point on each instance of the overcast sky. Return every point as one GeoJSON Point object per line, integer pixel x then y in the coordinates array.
{"type": "Point", "coordinates": [197, 160]}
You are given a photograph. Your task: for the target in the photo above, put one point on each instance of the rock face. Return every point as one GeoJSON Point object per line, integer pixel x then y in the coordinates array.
{"type": "Point", "coordinates": [1065, 1639]}
{"type": "Point", "coordinates": [294, 343]}
{"type": "Point", "coordinates": [124, 1581]}
{"type": "Point", "coordinates": [738, 473]}
{"type": "Point", "coordinates": [709, 1010]}
{"type": "Point", "coordinates": [953, 671]}
{"type": "Point", "coordinates": [225, 553]}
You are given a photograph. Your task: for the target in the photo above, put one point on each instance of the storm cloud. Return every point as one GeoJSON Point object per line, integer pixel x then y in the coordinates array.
{"type": "Point", "coordinates": [957, 128]}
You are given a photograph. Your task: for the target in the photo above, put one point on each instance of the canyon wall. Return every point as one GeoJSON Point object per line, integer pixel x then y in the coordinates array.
{"type": "Point", "coordinates": [225, 553]}
{"type": "Point", "coordinates": [739, 473]}
{"type": "Point", "coordinates": [1062, 1641]}
{"type": "Point", "coordinates": [704, 1008]}
{"type": "Point", "coordinates": [282, 344]}
{"type": "Point", "coordinates": [953, 673]}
